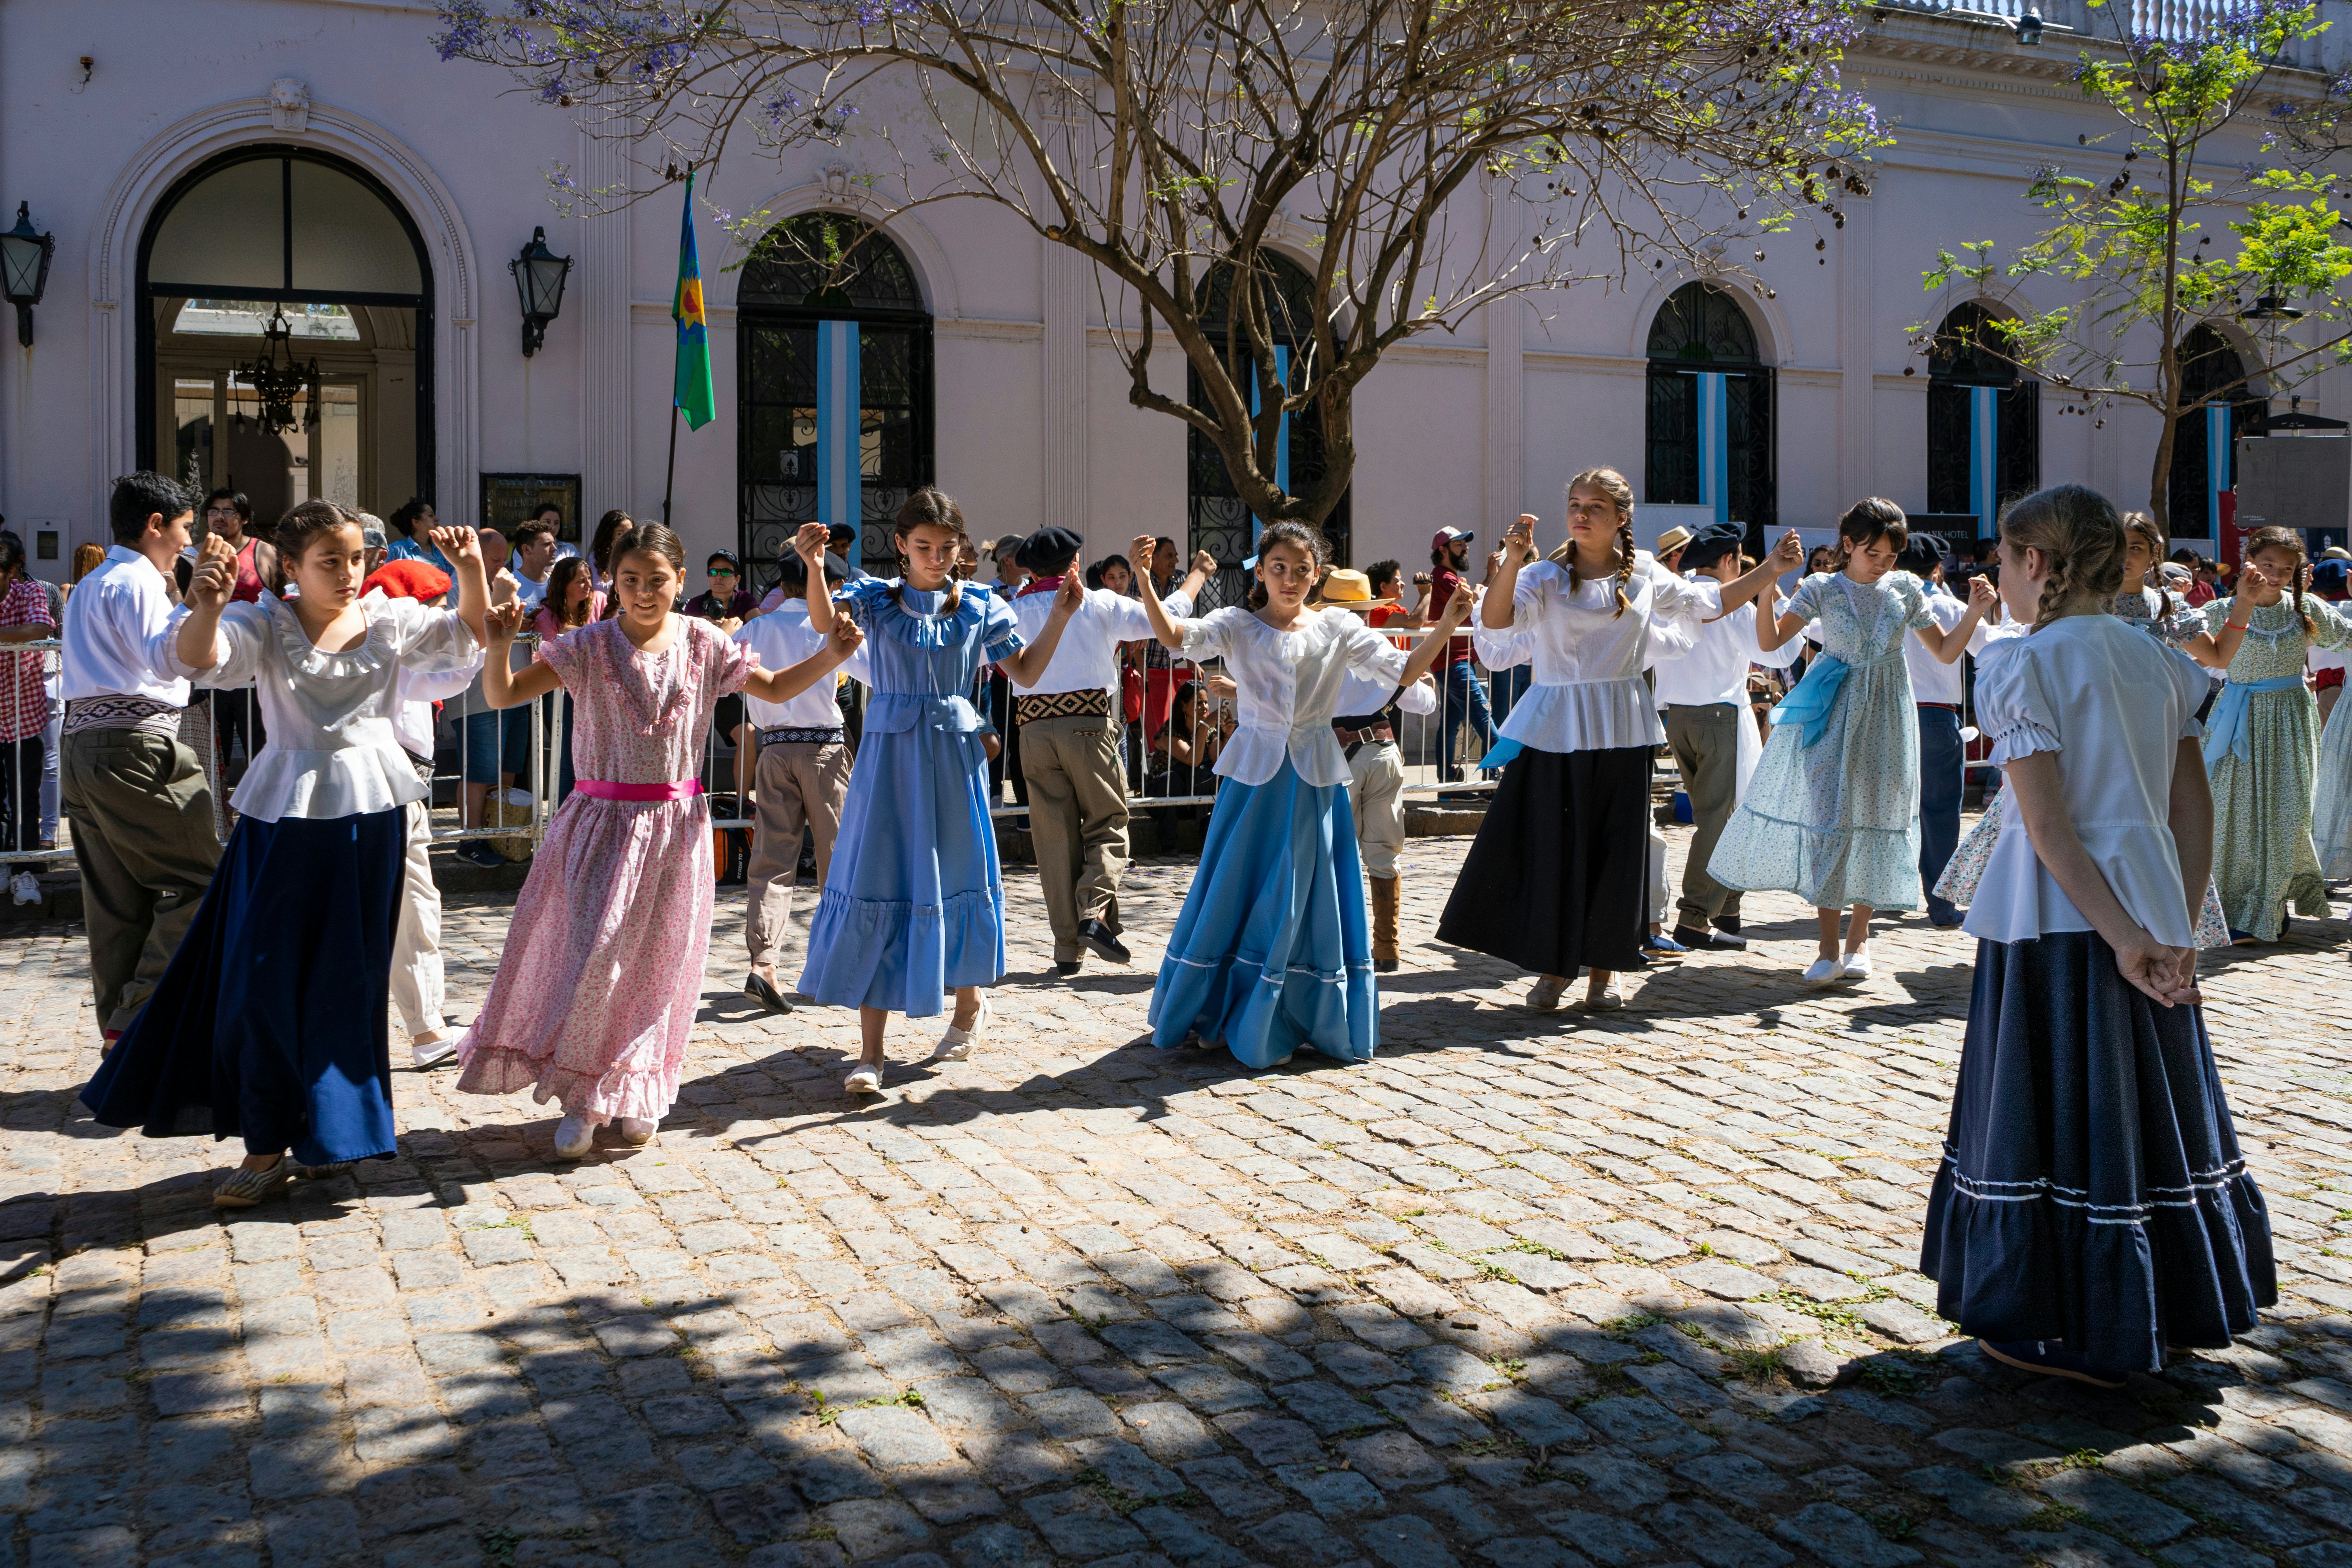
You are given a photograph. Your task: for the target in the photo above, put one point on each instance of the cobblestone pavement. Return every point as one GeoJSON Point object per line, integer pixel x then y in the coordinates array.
{"type": "Point", "coordinates": [1526, 1292]}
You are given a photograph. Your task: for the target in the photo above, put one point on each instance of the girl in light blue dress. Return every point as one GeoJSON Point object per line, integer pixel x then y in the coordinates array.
{"type": "Point", "coordinates": [1833, 813]}
{"type": "Point", "coordinates": [1272, 950]}
{"type": "Point", "coordinates": [913, 904]}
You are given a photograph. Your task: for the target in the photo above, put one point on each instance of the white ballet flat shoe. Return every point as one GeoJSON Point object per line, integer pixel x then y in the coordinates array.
{"type": "Point", "coordinates": [957, 1044]}
{"type": "Point", "coordinates": [866, 1077]}
{"type": "Point", "coordinates": [1854, 967]}
{"type": "Point", "coordinates": [1824, 971]}
{"type": "Point", "coordinates": [1544, 996]}
{"type": "Point", "coordinates": [1608, 1001]}
{"type": "Point", "coordinates": [574, 1136]}
{"type": "Point", "coordinates": [636, 1131]}
{"type": "Point", "coordinates": [432, 1054]}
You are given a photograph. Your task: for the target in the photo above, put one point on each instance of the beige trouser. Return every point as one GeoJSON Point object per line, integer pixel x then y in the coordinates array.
{"type": "Point", "coordinates": [416, 972]}
{"type": "Point", "coordinates": [1077, 823]}
{"type": "Point", "coordinates": [1704, 741]}
{"type": "Point", "coordinates": [1376, 790]}
{"type": "Point", "coordinates": [801, 786]}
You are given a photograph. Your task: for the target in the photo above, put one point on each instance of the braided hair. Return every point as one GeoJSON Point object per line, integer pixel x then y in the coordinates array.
{"type": "Point", "coordinates": [1610, 483]}
{"type": "Point", "coordinates": [2079, 534]}
{"type": "Point", "coordinates": [2291, 541]}
{"type": "Point", "coordinates": [929, 507]}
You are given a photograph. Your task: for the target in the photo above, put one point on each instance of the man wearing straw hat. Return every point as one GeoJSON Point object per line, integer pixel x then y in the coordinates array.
{"type": "Point", "coordinates": [1365, 720]}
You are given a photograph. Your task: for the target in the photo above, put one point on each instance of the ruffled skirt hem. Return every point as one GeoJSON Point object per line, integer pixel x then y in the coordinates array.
{"type": "Point", "coordinates": [643, 1093]}
{"type": "Point", "coordinates": [900, 956]}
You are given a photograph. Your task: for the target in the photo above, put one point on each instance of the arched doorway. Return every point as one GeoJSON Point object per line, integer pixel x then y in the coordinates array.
{"type": "Point", "coordinates": [834, 379]}
{"type": "Point", "coordinates": [1984, 420]}
{"type": "Point", "coordinates": [2204, 443]}
{"type": "Point", "coordinates": [1710, 424]}
{"type": "Point", "coordinates": [285, 256]}
{"type": "Point", "coordinates": [1218, 523]}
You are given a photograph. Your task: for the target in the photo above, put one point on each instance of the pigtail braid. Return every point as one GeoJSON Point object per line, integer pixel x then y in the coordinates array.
{"type": "Point", "coordinates": [2056, 589]}
{"type": "Point", "coordinates": [2291, 541]}
{"type": "Point", "coordinates": [1624, 565]}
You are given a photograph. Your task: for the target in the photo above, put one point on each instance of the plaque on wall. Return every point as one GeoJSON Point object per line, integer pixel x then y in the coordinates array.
{"type": "Point", "coordinates": [508, 500]}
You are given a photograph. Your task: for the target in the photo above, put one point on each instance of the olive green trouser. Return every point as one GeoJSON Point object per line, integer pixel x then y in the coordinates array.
{"type": "Point", "coordinates": [142, 835]}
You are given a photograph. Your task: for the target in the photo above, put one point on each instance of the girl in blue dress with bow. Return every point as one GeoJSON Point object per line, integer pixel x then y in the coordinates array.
{"type": "Point", "coordinates": [1833, 813]}
{"type": "Point", "coordinates": [913, 905]}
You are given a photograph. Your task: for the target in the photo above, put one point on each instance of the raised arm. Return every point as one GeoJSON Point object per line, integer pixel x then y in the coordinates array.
{"type": "Point", "coordinates": [1497, 611]}
{"type": "Point", "coordinates": [2166, 974]}
{"type": "Point", "coordinates": [1782, 558]}
{"type": "Point", "coordinates": [198, 643]}
{"type": "Point", "coordinates": [1773, 630]}
{"type": "Point", "coordinates": [1162, 626]}
{"type": "Point", "coordinates": [1028, 667]}
{"type": "Point", "coordinates": [503, 687]}
{"type": "Point", "coordinates": [1948, 643]}
{"type": "Point", "coordinates": [1432, 646]}
{"type": "Point", "coordinates": [783, 685]}
{"type": "Point", "coordinates": [809, 545]}
{"type": "Point", "coordinates": [1205, 566]}
{"type": "Point", "coordinates": [463, 546]}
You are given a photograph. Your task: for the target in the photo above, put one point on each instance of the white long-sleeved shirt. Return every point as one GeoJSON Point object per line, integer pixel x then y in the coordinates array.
{"type": "Point", "coordinates": [1588, 693]}
{"type": "Point", "coordinates": [783, 637]}
{"type": "Point", "coordinates": [1360, 697]}
{"type": "Point", "coordinates": [1716, 668]}
{"type": "Point", "coordinates": [1290, 687]}
{"type": "Point", "coordinates": [1933, 680]}
{"type": "Point", "coordinates": [118, 619]}
{"type": "Point", "coordinates": [1087, 658]}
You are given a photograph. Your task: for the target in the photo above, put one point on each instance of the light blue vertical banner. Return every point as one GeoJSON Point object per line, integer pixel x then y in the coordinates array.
{"type": "Point", "coordinates": [2217, 465]}
{"type": "Point", "coordinates": [1281, 436]}
{"type": "Point", "coordinates": [1984, 458]}
{"type": "Point", "coordinates": [838, 425]}
{"type": "Point", "coordinates": [1714, 446]}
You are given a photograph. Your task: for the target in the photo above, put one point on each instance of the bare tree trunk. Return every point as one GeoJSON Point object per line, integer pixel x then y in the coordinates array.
{"type": "Point", "coordinates": [2160, 482]}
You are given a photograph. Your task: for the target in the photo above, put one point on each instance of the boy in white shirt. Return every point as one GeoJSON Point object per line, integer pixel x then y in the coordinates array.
{"type": "Point", "coordinates": [802, 780]}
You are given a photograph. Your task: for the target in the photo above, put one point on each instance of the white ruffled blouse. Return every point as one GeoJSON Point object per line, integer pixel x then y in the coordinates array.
{"type": "Point", "coordinates": [334, 746]}
{"type": "Point", "coordinates": [1290, 687]}
{"type": "Point", "coordinates": [2115, 704]}
{"type": "Point", "coordinates": [1588, 694]}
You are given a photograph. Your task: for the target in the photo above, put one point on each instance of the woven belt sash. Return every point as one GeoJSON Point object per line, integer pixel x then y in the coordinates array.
{"type": "Point", "coordinates": [1094, 703]}
{"type": "Point", "coordinates": [605, 789]}
{"type": "Point", "coordinates": [121, 712]}
{"type": "Point", "coordinates": [790, 735]}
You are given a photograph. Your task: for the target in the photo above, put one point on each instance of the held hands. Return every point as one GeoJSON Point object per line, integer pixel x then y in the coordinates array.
{"type": "Point", "coordinates": [458, 543]}
{"type": "Point", "coordinates": [809, 545]}
{"type": "Point", "coordinates": [501, 622]}
{"type": "Point", "coordinates": [1458, 609]}
{"type": "Point", "coordinates": [1521, 535]}
{"type": "Point", "coordinates": [215, 575]}
{"type": "Point", "coordinates": [1789, 554]}
{"type": "Point", "coordinates": [2166, 974]}
{"type": "Point", "coordinates": [848, 636]}
{"type": "Point", "coordinates": [1983, 597]}
{"type": "Point", "coordinates": [1139, 552]}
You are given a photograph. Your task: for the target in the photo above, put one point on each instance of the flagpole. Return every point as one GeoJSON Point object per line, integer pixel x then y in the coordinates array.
{"type": "Point", "coordinates": [669, 477]}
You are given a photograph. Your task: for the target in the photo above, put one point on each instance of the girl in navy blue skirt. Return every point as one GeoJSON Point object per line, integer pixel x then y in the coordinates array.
{"type": "Point", "coordinates": [2092, 1211]}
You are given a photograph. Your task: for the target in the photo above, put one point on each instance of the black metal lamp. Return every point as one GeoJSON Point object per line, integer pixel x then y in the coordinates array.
{"type": "Point", "coordinates": [25, 269]}
{"type": "Point", "coordinates": [2028, 27]}
{"type": "Point", "coordinates": [2271, 308]}
{"type": "Point", "coordinates": [538, 275]}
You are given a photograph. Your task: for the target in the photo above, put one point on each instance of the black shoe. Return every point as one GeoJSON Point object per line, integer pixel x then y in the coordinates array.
{"type": "Point", "coordinates": [1066, 967]}
{"type": "Point", "coordinates": [474, 852]}
{"type": "Point", "coordinates": [1709, 941]}
{"type": "Point", "coordinates": [1384, 966]}
{"type": "Point", "coordinates": [1105, 945]}
{"type": "Point", "coordinates": [765, 994]}
{"type": "Point", "coordinates": [1728, 924]}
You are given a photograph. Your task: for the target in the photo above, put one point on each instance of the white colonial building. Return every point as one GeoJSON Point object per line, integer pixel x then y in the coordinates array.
{"type": "Point", "coordinates": [203, 163]}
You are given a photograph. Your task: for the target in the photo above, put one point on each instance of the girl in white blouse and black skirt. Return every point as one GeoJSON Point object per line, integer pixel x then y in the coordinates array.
{"type": "Point", "coordinates": [2092, 1210]}
{"type": "Point", "coordinates": [1556, 880]}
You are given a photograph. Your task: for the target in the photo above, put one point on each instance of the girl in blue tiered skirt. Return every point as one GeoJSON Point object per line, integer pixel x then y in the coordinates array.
{"type": "Point", "coordinates": [1272, 950]}
{"type": "Point", "coordinates": [2092, 1210]}
{"type": "Point", "coordinates": [913, 906]}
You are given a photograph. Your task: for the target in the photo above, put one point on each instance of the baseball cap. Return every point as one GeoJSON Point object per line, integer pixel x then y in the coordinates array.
{"type": "Point", "coordinates": [1449, 536]}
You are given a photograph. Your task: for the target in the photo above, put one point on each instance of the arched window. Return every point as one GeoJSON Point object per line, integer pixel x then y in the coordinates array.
{"type": "Point", "coordinates": [1710, 414]}
{"type": "Point", "coordinates": [1984, 419]}
{"type": "Point", "coordinates": [2204, 443]}
{"type": "Point", "coordinates": [833, 372]}
{"type": "Point", "coordinates": [1219, 523]}
{"type": "Point", "coordinates": [268, 255]}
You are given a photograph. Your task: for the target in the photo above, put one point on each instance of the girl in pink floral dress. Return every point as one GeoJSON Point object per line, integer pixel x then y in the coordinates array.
{"type": "Point", "coordinates": [597, 989]}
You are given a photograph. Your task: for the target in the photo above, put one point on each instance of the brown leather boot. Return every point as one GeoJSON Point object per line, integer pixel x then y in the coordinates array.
{"type": "Point", "coordinates": [1384, 923]}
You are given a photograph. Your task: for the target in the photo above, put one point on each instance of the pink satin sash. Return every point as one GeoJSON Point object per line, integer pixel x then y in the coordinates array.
{"type": "Point", "coordinates": [604, 789]}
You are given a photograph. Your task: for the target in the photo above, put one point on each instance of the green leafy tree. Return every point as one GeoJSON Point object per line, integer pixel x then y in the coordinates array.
{"type": "Point", "coordinates": [2205, 218]}
{"type": "Point", "coordinates": [1434, 154]}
